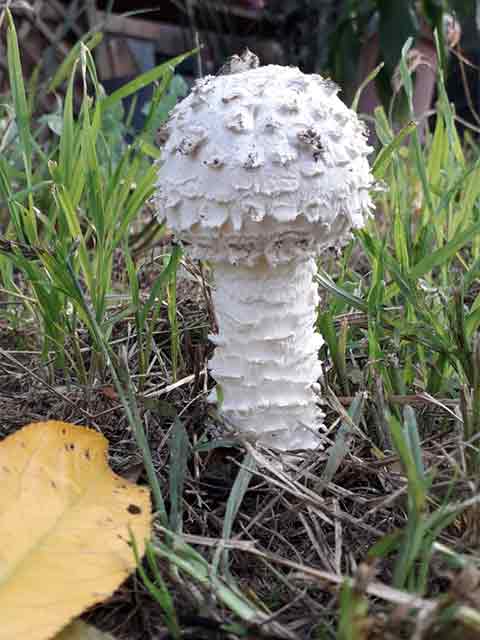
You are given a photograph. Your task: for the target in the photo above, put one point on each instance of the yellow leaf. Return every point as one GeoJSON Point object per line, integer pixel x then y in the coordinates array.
{"type": "Point", "coordinates": [78, 630]}
{"type": "Point", "coordinates": [65, 519]}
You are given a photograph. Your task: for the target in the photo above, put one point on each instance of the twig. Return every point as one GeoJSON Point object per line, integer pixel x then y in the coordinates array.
{"type": "Point", "coordinates": [376, 589]}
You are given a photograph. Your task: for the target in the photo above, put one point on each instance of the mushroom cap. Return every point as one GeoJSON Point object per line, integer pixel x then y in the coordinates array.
{"type": "Point", "coordinates": [266, 162]}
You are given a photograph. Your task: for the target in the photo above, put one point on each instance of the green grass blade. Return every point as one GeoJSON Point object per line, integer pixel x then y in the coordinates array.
{"type": "Point", "coordinates": [415, 478]}
{"type": "Point", "coordinates": [413, 438]}
{"type": "Point", "coordinates": [161, 282]}
{"type": "Point", "coordinates": [179, 454]}
{"type": "Point", "coordinates": [144, 80]}
{"type": "Point", "coordinates": [67, 65]}
{"type": "Point", "coordinates": [235, 499]}
{"type": "Point", "coordinates": [386, 154]}
{"type": "Point", "coordinates": [340, 449]}
{"type": "Point", "coordinates": [157, 588]}
{"type": "Point", "coordinates": [125, 392]}
{"type": "Point", "coordinates": [370, 77]}
{"type": "Point", "coordinates": [445, 253]}
{"type": "Point", "coordinates": [327, 283]}
{"type": "Point", "coordinates": [22, 116]}
{"type": "Point", "coordinates": [67, 150]}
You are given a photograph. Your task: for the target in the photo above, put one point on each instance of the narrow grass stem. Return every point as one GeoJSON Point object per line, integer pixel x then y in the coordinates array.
{"type": "Point", "coordinates": [128, 401]}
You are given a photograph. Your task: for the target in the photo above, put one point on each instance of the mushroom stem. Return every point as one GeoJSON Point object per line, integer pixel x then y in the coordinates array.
{"type": "Point", "coordinates": [266, 356]}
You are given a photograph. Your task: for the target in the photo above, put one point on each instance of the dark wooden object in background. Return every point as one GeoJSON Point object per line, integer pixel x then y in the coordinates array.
{"type": "Point", "coordinates": [43, 28]}
{"type": "Point", "coordinates": [47, 29]}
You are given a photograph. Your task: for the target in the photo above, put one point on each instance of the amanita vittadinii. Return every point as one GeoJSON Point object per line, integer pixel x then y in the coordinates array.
{"type": "Point", "coordinates": [262, 169]}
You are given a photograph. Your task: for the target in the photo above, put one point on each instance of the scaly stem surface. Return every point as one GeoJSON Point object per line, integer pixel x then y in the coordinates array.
{"type": "Point", "coordinates": [266, 356]}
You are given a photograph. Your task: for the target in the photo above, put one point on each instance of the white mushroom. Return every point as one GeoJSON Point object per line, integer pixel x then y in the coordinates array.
{"type": "Point", "coordinates": [262, 170]}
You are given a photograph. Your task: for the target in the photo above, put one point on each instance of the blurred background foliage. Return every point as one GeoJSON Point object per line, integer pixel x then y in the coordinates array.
{"type": "Point", "coordinates": [333, 37]}
{"type": "Point", "coordinates": [320, 34]}
{"type": "Point", "coordinates": [328, 35]}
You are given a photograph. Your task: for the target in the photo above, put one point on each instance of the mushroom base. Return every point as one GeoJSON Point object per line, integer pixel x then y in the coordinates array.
{"type": "Point", "coordinates": [266, 356]}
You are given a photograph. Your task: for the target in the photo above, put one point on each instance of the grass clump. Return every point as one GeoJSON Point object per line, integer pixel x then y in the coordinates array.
{"type": "Point", "coordinates": [75, 195]}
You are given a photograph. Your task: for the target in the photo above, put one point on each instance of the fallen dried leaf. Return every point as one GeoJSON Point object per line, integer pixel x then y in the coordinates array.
{"type": "Point", "coordinates": [65, 522]}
